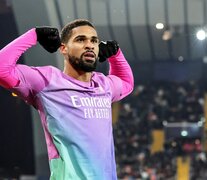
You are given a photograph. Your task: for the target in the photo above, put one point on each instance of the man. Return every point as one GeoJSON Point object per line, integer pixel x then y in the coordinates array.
{"type": "Point", "coordinates": [74, 105]}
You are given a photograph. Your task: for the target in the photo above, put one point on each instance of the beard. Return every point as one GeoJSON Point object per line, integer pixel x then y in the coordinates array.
{"type": "Point", "coordinates": [81, 65]}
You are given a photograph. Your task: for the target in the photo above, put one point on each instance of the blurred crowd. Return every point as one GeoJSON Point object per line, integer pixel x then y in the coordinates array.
{"type": "Point", "coordinates": [145, 110]}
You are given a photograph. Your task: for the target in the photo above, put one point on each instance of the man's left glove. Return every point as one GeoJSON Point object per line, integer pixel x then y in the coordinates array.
{"type": "Point", "coordinates": [107, 49]}
{"type": "Point", "coordinates": [49, 38]}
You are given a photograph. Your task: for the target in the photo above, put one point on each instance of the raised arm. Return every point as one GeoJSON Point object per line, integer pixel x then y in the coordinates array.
{"type": "Point", "coordinates": [48, 37]}
{"type": "Point", "coordinates": [119, 67]}
{"type": "Point", "coordinates": [9, 56]}
{"type": "Point", "coordinates": [120, 73]}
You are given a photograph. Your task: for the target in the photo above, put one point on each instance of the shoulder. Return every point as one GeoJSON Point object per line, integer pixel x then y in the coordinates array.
{"type": "Point", "coordinates": [98, 76]}
{"type": "Point", "coordinates": [102, 80]}
{"type": "Point", "coordinates": [31, 73]}
{"type": "Point", "coordinates": [46, 70]}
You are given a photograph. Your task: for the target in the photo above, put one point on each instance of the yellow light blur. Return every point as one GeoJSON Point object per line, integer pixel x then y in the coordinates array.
{"type": "Point", "coordinates": [13, 94]}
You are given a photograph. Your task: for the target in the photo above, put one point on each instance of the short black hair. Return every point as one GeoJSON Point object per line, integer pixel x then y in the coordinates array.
{"type": "Point", "coordinates": [67, 29]}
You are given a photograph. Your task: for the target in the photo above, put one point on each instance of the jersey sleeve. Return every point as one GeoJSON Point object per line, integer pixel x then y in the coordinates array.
{"type": "Point", "coordinates": [9, 56]}
{"type": "Point", "coordinates": [31, 81]}
{"type": "Point", "coordinates": [21, 79]}
{"type": "Point", "coordinates": [120, 76]}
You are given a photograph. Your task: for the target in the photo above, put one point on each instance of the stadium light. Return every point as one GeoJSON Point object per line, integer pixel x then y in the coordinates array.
{"type": "Point", "coordinates": [201, 35]}
{"type": "Point", "coordinates": [159, 26]}
{"type": "Point", "coordinates": [184, 133]}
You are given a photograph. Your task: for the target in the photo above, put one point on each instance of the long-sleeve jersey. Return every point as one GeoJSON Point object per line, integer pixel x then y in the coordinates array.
{"type": "Point", "coordinates": [76, 116]}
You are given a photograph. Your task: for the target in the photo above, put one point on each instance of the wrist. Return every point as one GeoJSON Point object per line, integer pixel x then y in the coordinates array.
{"type": "Point", "coordinates": [34, 34]}
{"type": "Point", "coordinates": [31, 36]}
{"type": "Point", "coordinates": [112, 58]}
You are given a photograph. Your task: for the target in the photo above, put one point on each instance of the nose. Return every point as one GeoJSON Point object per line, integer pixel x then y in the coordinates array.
{"type": "Point", "coordinates": [89, 45]}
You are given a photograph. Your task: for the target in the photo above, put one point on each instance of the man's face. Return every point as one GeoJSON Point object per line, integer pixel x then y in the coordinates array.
{"type": "Point", "coordinates": [82, 48]}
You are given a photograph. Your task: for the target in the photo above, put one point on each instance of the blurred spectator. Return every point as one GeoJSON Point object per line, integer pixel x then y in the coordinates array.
{"type": "Point", "coordinates": [146, 109]}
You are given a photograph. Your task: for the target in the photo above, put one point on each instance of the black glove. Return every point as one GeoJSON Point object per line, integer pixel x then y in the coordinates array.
{"type": "Point", "coordinates": [107, 49]}
{"type": "Point", "coordinates": [49, 38]}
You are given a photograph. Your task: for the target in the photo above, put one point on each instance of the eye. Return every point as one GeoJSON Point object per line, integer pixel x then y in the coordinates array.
{"type": "Point", "coordinates": [94, 40]}
{"type": "Point", "coordinates": [80, 39]}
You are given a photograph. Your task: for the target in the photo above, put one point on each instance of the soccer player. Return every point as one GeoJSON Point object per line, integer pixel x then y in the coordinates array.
{"type": "Point", "coordinates": [74, 104]}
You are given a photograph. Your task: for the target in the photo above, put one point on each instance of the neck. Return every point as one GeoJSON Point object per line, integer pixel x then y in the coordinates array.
{"type": "Point", "coordinates": [79, 75]}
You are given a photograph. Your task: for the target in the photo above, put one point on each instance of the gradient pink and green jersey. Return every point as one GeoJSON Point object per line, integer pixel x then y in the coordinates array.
{"type": "Point", "coordinates": [76, 116]}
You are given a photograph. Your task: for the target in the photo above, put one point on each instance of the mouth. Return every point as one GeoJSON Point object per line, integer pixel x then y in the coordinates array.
{"type": "Point", "coordinates": [89, 56]}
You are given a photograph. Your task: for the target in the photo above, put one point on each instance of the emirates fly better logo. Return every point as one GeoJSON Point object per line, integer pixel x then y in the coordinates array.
{"type": "Point", "coordinates": [93, 107]}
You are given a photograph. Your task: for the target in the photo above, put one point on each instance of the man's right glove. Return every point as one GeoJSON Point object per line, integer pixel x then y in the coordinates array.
{"type": "Point", "coordinates": [49, 38]}
{"type": "Point", "coordinates": [107, 49]}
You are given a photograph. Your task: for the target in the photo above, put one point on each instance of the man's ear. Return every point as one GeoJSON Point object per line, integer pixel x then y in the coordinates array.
{"type": "Point", "coordinates": [63, 49]}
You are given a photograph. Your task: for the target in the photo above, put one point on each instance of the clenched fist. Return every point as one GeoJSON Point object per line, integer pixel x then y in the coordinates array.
{"type": "Point", "coordinates": [107, 49]}
{"type": "Point", "coordinates": [49, 38]}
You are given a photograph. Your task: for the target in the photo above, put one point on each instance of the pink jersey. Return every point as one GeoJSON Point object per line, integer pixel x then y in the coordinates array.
{"type": "Point", "coordinates": [76, 116]}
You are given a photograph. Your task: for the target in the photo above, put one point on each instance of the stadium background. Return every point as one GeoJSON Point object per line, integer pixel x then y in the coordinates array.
{"type": "Point", "coordinates": [160, 129]}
